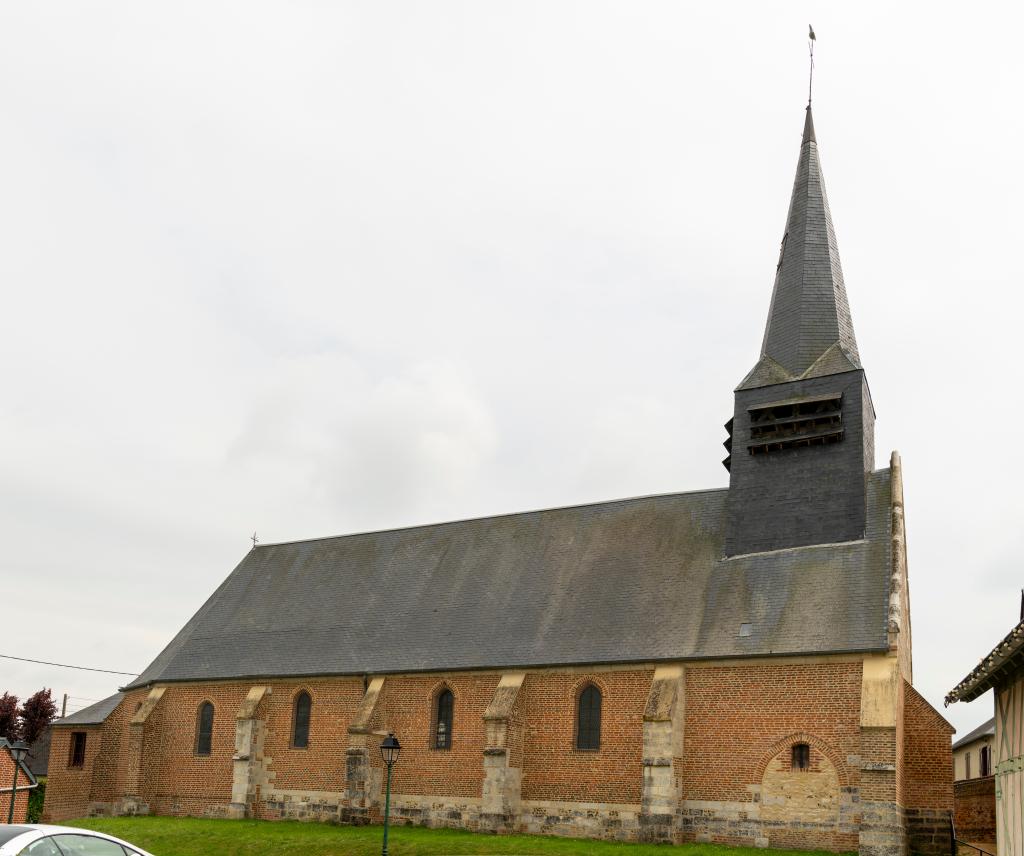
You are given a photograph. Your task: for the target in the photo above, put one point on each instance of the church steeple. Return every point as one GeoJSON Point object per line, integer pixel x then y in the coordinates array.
{"type": "Point", "coordinates": [809, 331]}
{"type": "Point", "coordinates": [802, 434]}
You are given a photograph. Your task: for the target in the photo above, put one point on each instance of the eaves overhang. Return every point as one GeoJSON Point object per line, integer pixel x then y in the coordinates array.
{"type": "Point", "coordinates": [1002, 663]}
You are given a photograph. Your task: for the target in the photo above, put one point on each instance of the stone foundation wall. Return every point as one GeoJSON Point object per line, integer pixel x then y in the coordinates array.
{"type": "Point", "coordinates": [613, 822]}
{"type": "Point", "coordinates": [747, 824]}
{"type": "Point", "coordinates": [928, 831]}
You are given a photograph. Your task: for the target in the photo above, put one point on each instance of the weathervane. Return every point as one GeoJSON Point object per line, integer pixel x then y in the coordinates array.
{"type": "Point", "coordinates": [811, 39]}
{"type": "Point", "coordinates": [254, 540]}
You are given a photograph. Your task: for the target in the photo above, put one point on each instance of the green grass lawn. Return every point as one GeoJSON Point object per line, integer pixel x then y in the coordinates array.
{"type": "Point", "coordinates": [168, 836]}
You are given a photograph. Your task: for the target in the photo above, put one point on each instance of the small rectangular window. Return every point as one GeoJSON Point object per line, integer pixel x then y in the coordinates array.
{"type": "Point", "coordinates": [967, 765]}
{"type": "Point", "coordinates": [76, 758]}
{"type": "Point", "coordinates": [986, 761]}
{"type": "Point", "coordinates": [801, 756]}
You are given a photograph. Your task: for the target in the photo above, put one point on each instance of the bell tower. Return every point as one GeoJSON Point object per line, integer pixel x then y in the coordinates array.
{"type": "Point", "coordinates": [801, 440]}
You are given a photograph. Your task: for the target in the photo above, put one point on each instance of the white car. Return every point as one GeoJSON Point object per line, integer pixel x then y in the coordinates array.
{"type": "Point", "coordinates": [35, 839]}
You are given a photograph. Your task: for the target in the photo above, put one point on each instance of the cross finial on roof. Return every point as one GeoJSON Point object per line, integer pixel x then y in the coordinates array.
{"type": "Point", "coordinates": [811, 39]}
{"type": "Point", "coordinates": [254, 539]}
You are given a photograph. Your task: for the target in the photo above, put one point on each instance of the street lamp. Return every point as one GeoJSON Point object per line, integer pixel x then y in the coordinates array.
{"type": "Point", "coordinates": [389, 749]}
{"type": "Point", "coordinates": [18, 752]}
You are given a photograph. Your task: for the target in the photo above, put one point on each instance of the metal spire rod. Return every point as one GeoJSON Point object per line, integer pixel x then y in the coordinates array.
{"type": "Point", "coordinates": [811, 39]}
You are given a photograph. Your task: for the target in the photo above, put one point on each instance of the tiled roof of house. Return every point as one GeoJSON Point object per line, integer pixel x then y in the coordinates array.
{"type": "Point", "coordinates": [982, 730]}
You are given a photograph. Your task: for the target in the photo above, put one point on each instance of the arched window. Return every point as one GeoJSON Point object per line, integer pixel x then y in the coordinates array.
{"type": "Point", "coordinates": [588, 719]}
{"type": "Point", "coordinates": [204, 728]}
{"type": "Point", "coordinates": [300, 720]}
{"type": "Point", "coordinates": [445, 714]}
{"type": "Point", "coordinates": [801, 756]}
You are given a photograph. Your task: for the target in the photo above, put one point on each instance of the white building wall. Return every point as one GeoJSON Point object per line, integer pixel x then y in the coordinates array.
{"type": "Point", "coordinates": [1009, 758]}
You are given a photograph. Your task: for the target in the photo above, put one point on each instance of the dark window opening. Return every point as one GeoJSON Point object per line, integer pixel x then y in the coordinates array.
{"type": "Point", "coordinates": [796, 423]}
{"type": "Point", "coordinates": [801, 756]}
{"type": "Point", "coordinates": [300, 724]}
{"type": "Point", "coordinates": [76, 757]}
{"type": "Point", "coordinates": [443, 724]}
{"type": "Point", "coordinates": [986, 761]}
{"type": "Point", "coordinates": [967, 764]}
{"type": "Point", "coordinates": [588, 719]}
{"type": "Point", "coordinates": [204, 729]}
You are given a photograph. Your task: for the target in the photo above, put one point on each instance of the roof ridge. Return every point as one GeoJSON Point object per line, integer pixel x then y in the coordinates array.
{"type": "Point", "coordinates": [506, 514]}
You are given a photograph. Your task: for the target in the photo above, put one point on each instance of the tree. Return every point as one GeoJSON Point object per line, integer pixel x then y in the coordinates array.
{"type": "Point", "coordinates": [36, 714]}
{"type": "Point", "coordinates": [9, 725]}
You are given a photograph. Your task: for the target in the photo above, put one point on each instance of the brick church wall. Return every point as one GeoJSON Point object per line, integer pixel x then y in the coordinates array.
{"type": "Point", "coordinates": [409, 706]}
{"type": "Point", "coordinates": [68, 788]}
{"type": "Point", "coordinates": [741, 722]}
{"type": "Point", "coordinates": [175, 780]}
{"type": "Point", "coordinates": [553, 769]}
{"type": "Point", "coordinates": [927, 775]}
{"type": "Point", "coordinates": [734, 729]}
{"type": "Point", "coordinates": [430, 786]}
{"type": "Point", "coordinates": [321, 766]}
{"type": "Point", "coordinates": [107, 778]}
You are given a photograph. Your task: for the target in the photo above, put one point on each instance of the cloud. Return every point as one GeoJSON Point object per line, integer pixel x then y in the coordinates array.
{"type": "Point", "coordinates": [376, 448]}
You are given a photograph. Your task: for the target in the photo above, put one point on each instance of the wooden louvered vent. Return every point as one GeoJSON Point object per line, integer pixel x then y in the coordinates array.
{"type": "Point", "coordinates": [795, 423]}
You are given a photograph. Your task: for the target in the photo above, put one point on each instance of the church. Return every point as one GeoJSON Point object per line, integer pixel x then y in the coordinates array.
{"type": "Point", "coordinates": [730, 665]}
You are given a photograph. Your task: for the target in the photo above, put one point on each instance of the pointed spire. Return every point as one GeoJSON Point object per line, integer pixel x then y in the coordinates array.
{"type": "Point", "coordinates": [808, 129]}
{"type": "Point", "coordinates": [809, 331]}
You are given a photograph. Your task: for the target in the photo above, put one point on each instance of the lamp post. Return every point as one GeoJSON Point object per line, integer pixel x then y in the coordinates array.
{"type": "Point", "coordinates": [389, 749]}
{"type": "Point", "coordinates": [18, 752]}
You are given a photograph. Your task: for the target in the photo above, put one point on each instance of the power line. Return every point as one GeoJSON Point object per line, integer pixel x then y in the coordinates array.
{"type": "Point", "coordinates": [66, 666]}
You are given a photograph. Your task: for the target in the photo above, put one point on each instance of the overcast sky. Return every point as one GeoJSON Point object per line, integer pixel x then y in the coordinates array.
{"type": "Point", "coordinates": [314, 268]}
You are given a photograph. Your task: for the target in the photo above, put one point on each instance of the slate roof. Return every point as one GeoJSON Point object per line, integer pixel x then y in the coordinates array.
{"type": "Point", "coordinates": [38, 757]}
{"type": "Point", "coordinates": [94, 714]}
{"type": "Point", "coordinates": [634, 580]}
{"type": "Point", "coordinates": [809, 331]}
{"type": "Point", "coordinates": [982, 730]}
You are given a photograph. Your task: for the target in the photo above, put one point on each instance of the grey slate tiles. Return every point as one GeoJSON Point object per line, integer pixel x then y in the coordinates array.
{"type": "Point", "coordinates": [624, 581]}
{"type": "Point", "coordinates": [809, 312]}
{"type": "Point", "coordinates": [94, 714]}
